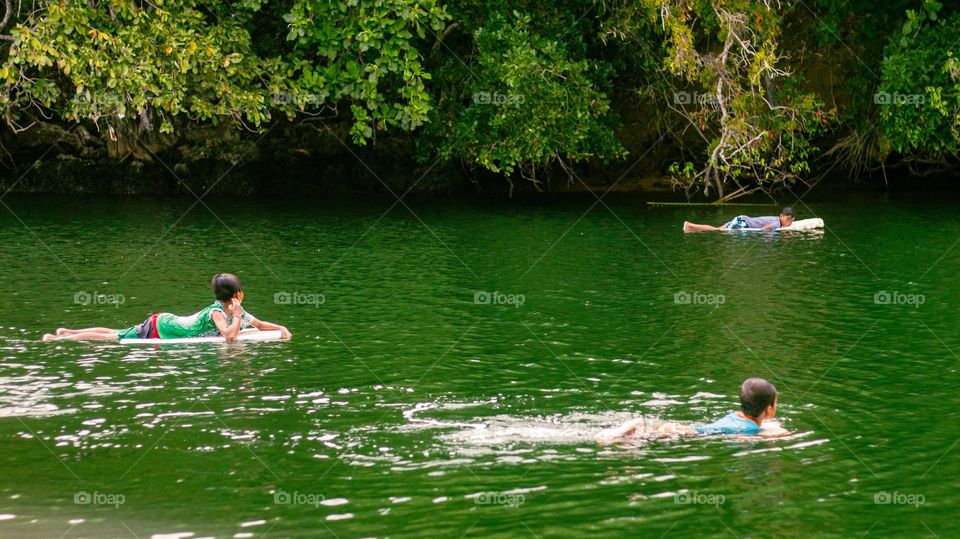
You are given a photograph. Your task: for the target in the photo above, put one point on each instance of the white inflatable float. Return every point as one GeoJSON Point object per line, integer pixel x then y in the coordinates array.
{"type": "Point", "coordinates": [245, 335]}
{"type": "Point", "coordinates": [814, 223]}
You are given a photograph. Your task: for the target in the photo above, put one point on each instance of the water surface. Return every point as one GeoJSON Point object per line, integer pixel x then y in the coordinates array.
{"type": "Point", "coordinates": [462, 359]}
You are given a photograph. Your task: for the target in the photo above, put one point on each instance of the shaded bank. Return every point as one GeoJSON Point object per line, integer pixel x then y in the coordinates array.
{"type": "Point", "coordinates": [722, 98]}
{"type": "Point", "coordinates": [297, 159]}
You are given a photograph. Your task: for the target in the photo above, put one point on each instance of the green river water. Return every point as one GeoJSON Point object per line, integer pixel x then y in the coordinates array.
{"type": "Point", "coordinates": [452, 362]}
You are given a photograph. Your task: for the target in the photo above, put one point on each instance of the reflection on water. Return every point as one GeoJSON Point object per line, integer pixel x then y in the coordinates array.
{"type": "Point", "coordinates": [404, 406]}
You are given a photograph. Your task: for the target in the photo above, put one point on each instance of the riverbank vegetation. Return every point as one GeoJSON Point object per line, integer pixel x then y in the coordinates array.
{"type": "Point", "coordinates": [721, 97]}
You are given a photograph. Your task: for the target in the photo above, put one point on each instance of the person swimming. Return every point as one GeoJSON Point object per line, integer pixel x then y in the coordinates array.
{"type": "Point", "coordinates": [758, 403]}
{"type": "Point", "coordinates": [225, 317]}
{"type": "Point", "coordinates": [768, 222]}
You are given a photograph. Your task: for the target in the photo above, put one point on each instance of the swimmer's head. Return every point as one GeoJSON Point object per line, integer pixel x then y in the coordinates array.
{"type": "Point", "coordinates": [226, 286]}
{"type": "Point", "coordinates": [786, 216]}
{"type": "Point", "coordinates": [758, 398]}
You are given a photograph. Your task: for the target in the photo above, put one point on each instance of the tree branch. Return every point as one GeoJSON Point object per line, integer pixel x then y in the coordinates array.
{"type": "Point", "coordinates": [7, 14]}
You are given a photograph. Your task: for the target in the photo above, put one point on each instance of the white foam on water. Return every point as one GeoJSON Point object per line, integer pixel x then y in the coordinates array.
{"type": "Point", "coordinates": [801, 445]}
{"type": "Point", "coordinates": [691, 458]}
{"type": "Point", "coordinates": [706, 395]}
{"type": "Point", "coordinates": [758, 451]}
{"type": "Point", "coordinates": [525, 490]}
{"type": "Point", "coordinates": [661, 402]}
{"type": "Point", "coordinates": [518, 440]}
{"type": "Point", "coordinates": [507, 430]}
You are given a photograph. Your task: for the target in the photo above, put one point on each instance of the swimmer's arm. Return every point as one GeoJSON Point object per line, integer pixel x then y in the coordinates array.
{"type": "Point", "coordinates": [772, 431]}
{"type": "Point", "coordinates": [612, 436]}
{"type": "Point", "coordinates": [673, 428]}
{"type": "Point", "coordinates": [229, 331]}
{"type": "Point", "coordinates": [266, 326]}
{"type": "Point", "coordinates": [775, 432]}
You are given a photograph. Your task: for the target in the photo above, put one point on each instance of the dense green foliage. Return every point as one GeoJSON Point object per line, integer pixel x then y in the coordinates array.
{"type": "Point", "coordinates": [125, 61]}
{"type": "Point", "coordinates": [513, 88]}
{"type": "Point", "coordinates": [523, 102]}
{"type": "Point", "coordinates": [920, 86]}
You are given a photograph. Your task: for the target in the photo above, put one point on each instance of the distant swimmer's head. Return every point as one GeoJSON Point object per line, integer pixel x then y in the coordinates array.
{"type": "Point", "coordinates": [758, 398]}
{"type": "Point", "coordinates": [226, 286]}
{"type": "Point", "coordinates": [786, 216]}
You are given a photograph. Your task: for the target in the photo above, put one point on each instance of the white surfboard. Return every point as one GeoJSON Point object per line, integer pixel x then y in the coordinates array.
{"type": "Point", "coordinates": [813, 223]}
{"type": "Point", "coordinates": [245, 335]}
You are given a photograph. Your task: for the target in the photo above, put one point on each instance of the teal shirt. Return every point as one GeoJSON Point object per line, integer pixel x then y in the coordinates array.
{"type": "Point", "coordinates": [731, 423]}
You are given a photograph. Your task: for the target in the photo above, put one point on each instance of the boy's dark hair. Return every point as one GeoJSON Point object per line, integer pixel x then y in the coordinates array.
{"type": "Point", "coordinates": [756, 394]}
{"type": "Point", "coordinates": [788, 211]}
{"type": "Point", "coordinates": [225, 286]}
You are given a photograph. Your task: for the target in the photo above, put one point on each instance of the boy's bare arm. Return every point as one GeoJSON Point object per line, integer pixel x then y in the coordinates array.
{"type": "Point", "coordinates": [767, 432]}
{"type": "Point", "coordinates": [672, 428]}
{"type": "Point", "coordinates": [776, 432]}
{"type": "Point", "coordinates": [612, 436]}
{"type": "Point", "coordinates": [229, 331]}
{"type": "Point", "coordinates": [266, 326]}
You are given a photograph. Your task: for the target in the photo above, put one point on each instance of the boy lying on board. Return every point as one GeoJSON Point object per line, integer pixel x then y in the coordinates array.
{"type": "Point", "coordinates": [767, 223]}
{"type": "Point", "coordinates": [224, 317]}
{"type": "Point", "coordinates": [758, 402]}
